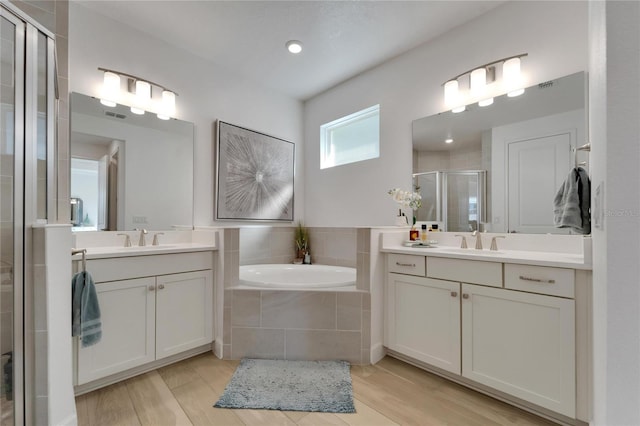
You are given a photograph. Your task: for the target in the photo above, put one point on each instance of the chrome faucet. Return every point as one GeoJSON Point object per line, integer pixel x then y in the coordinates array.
{"type": "Point", "coordinates": [478, 236]}
{"type": "Point", "coordinates": [142, 242]}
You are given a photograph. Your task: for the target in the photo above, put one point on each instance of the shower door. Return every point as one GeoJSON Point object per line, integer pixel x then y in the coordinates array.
{"type": "Point", "coordinates": [26, 177]}
{"type": "Point", "coordinates": [11, 217]}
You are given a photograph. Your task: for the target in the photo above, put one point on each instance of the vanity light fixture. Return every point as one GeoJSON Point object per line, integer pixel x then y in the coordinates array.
{"type": "Point", "coordinates": [110, 89]}
{"type": "Point", "coordinates": [482, 87]}
{"type": "Point", "coordinates": [141, 99]}
{"type": "Point", "coordinates": [294, 46]}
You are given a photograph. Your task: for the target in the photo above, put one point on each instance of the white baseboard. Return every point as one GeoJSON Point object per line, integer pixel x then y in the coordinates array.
{"type": "Point", "coordinates": [377, 353]}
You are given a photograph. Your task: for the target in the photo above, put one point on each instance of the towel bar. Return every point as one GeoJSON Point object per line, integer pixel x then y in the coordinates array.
{"type": "Point", "coordinates": [84, 257]}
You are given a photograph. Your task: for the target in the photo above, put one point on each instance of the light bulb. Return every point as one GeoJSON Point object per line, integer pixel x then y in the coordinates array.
{"type": "Point", "coordinates": [294, 46]}
{"type": "Point", "coordinates": [110, 89]}
{"type": "Point", "coordinates": [458, 109]}
{"type": "Point", "coordinates": [478, 81]}
{"type": "Point", "coordinates": [485, 102]}
{"type": "Point", "coordinates": [451, 93]}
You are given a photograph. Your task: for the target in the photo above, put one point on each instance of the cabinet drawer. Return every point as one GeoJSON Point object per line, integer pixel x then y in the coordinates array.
{"type": "Point", "coordinates": [406, 264]}
{"type": "Point", "coordinates": [122, 268]}
{"type": "Point", "coordinates": [467, 271]}
{"type": "Point", "coordinates": [540, 279]}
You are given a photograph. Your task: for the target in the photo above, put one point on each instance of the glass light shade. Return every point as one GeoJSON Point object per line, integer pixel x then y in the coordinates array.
{"type": "Point", "coordinates": [451, 93]}
{"type": "Point", "coordinates": [478, 81]}
{"type": "Point", "coordinates": [110, 89]}
{"type": "Point", "coordinates": [142, 98]}
{"type": "Point", "coordinates": [168, 106]}
{"type": "Point", "coordinates": [458, 109]}
{"type": "Point", "coordinates": [485, 102]}
{"type": "Point", "coordinates": [511, 78]}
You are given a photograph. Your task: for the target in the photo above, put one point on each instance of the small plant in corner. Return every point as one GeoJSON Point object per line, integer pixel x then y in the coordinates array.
{"type": "Point", "coordinates": [301, 238]}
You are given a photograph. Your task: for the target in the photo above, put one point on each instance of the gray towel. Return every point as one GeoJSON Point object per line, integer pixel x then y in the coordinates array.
{"type": "Point", "coordinates": [571, 205]}
{"type": "Point", "coordinates": [85, 315]}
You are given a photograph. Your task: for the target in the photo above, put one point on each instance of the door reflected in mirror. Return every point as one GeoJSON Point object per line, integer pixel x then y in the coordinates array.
{"type": "Point", "coordinates": [129, 171]}
{"type": "Point", "coordinates": [526, 144]}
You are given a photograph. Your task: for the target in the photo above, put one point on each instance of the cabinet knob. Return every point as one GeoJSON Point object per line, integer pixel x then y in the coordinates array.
{"type": "Point", "coordinates": [465, 296]}
{"type": "Point", "coordinates": [152, 287]}
{"type": "Point", "coordinates": [454, 294]}
{"type": "Point", "coordinates": [161, 286]}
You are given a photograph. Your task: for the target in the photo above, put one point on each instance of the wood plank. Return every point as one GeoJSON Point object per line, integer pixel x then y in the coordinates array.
{"type": "Point", "coordinates": [321, 419]}
{"type": "Point", "coordinates": [264, 417]}
{"type": "Point", "coordinates": [365, 416]}
{"type": "Point", "coordinates": [111, 406]}
{"type": "Point", "coordinates": [154, 402]}
{"type": "Point", "coordinates": [82, 410]}
{"type": "Point", "coordinates": [178, 374]}
{"type": "Point", "coordinates": [197, 399]}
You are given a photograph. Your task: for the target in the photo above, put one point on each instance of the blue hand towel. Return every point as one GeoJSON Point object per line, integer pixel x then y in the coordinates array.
{"type": "Point", "coordinates": [85, 316]}
{"type": "Point", "coordinates": [572, 203]}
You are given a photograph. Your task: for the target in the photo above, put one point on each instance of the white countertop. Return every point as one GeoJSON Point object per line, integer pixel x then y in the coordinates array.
{"type": "Point", "coordinates": [110, 252]}
{"type": "Point", "coordinates": [539, 258]}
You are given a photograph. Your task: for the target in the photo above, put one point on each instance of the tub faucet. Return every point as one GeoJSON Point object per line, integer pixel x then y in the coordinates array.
{"type": "Point", "coordinates": [142, 242]}
{"type": "Point", "coordinates": [478, 236]}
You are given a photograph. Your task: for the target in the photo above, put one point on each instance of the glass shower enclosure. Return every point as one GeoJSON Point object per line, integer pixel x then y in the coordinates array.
{"type": "Point", "coordinates": [455, 199]}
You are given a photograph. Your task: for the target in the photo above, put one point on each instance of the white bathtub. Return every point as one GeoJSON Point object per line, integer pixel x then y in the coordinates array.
{"type": "Point", "coordinates": [297, 277]}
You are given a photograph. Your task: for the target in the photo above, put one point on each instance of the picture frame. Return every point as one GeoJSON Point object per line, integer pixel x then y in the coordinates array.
{"type": "Point", "coordinates": [255, 175]}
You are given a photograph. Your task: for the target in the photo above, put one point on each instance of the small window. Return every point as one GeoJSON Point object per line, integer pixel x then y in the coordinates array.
{"type": "Point", "coordinates": [349, 139]}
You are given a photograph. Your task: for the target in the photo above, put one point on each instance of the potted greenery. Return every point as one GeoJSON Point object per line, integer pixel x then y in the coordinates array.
{"type": "Point", "coordinates": [301, 238]}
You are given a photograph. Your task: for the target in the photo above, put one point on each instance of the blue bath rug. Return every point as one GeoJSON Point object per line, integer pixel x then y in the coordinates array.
{"type": "Point", "coordinates": [321, 386]}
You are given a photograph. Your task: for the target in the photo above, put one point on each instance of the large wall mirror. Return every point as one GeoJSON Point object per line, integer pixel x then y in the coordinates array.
{"type": "Point", "coordinates": [129, 171]}
{"type": "Point", "coordinates": [525, 146]}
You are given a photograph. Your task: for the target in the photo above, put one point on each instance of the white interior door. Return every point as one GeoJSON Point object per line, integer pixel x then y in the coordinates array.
{"type": "Point", "coordinates": [529, 162]}
{"type": "Point", "coordinates": [537, 168]}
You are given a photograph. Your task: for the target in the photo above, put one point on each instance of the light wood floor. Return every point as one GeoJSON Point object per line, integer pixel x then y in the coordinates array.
{"type": "Point", "coordinates": [388, 393]}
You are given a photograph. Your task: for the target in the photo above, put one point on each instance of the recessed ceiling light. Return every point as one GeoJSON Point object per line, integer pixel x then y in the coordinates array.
{"type": "Point", "coordinates": [294, 46]}
{"type": "Point", "coordinates": [448, 141]}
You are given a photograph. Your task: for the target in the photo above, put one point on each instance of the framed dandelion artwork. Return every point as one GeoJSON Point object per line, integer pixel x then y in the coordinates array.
{"type": "Point", "coordinates": [254, 175]}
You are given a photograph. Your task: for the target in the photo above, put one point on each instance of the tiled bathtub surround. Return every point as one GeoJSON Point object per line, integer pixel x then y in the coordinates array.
{"type": "Point", "coordinates": [309, 325]}
{"type": "Point", "coordinates": [329, 246]}
{"type": "Point", "coordinates": [297, 325]}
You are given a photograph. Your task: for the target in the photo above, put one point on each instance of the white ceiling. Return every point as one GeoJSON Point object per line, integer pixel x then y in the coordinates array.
{"type": "Point", "coordinates": [341, 38]}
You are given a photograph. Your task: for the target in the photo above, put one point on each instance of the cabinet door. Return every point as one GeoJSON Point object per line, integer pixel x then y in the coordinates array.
{"type": "Point", "coordinates": [423, 320]}
{"type": "Point", "coordinates": [127, 310]}
{"type": "Point", "coordinates": [184, 312]}
{"type": "Point", "coordinates": [520, 343]}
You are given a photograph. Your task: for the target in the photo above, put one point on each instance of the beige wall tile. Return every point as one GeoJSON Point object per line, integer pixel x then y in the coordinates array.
{"type": "Point", "coordinates": [349, 311]}
{"type": "Point", "coordinates": [366, 329]}
{"type": "Point", "coordinates": [226, 326]}
{"type": "Point", "coordinates": [257, 343]}
{"type": "Point", "coordinates": [226, 351]}
{"type": "Point", "coordinates": [299, 309]}
{"type": "Point", "coordinates": [323, 345]}
{"type": "Point", "coordinates": [245, 308]}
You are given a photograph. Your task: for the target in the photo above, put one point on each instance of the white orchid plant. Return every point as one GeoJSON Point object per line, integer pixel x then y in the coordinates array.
{"type": "Point", "coordinates": [413, 200]}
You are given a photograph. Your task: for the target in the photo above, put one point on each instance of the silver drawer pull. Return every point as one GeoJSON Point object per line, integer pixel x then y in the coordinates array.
{"type": "Point", "coordinates": [412, 265]}
{"type": "Point", "coordinates": [537, 280]}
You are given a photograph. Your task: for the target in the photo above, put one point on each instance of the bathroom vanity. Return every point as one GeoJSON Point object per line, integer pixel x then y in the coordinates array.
{"type": "Point", "coordinates": [156, 306]}
{"type": "Point", "coordinates": [510, 323]}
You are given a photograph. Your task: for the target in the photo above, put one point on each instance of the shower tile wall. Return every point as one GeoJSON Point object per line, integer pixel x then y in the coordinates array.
{"type": "Point", "coordinates": [299, 325]}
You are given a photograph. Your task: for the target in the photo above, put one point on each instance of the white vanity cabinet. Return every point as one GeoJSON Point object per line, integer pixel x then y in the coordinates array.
{"type": "Point", "coordinates": [424, 320]}
{"type": "Point", "coordinates": [148, 318]}
{"type": "Point", "coordinates": [509, 327]}
{"type": "Point", "coordinates": [522, 344]}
